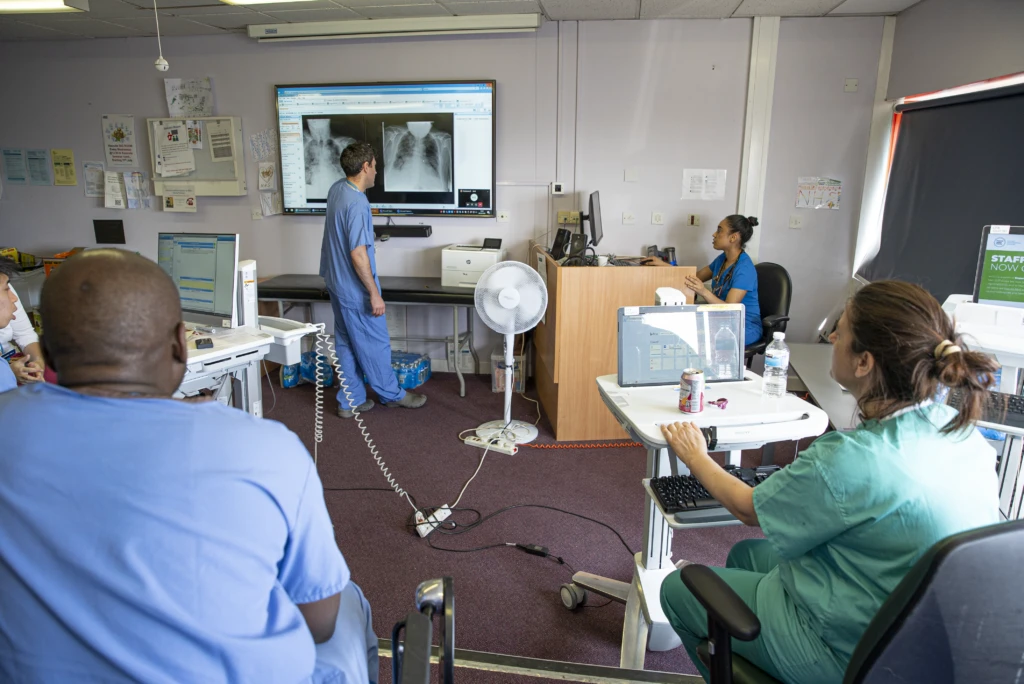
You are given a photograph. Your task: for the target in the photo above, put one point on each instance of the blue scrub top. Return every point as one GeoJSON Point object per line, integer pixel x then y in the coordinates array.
{"type": "Point", "coordinates": [7, 379]}
{"type": "Point", "coordinates": [155, 540]}
{"type": "Point", "coordinates": [743, 276]}
{"type": "Point", "coordinates": [348, 225]}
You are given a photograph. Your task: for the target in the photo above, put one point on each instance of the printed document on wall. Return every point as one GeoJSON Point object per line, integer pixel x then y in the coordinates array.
{"type": "Point", "coordinates": [38, 164]}
{"type": "Point", "coordinates": [180, 198]}
{"type": "Point", "coordinates": [703, 184]}
{"type": "Point", "coordinates": [270, 203]}
{"type": "Point", "coordinates": [93, 178]}
{"type": "Point", "coordinates": [173, 156]}
{"type": "Point", "coordinates": [268, 176]}
{"type": "Point", "coordinates": [119, 140]}
{"type": "Point", "coordinates": [218, 134]}
{"type": "Point", "coordinates": [189, 97]}
{"type": "Point", "coordinates": [64, 172]}
{"type": "Point", "coordinates": [15, 169]}
{"type": "Point", "coordinates": [136, 187]}
{"type": "Point", "coordinates": [813, 192]}
{"type": "Point", "coordinates": [113, 191]}
{"type": "Point", "coordinates": [195, 134]}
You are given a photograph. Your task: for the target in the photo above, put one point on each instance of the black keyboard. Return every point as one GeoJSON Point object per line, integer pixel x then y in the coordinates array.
{"type": "Point", "coordinates": [1001, 408]}
{"type": "Point", "coordinates": [679, 493]}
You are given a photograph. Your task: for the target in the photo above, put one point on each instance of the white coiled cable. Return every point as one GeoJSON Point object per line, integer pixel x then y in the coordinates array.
{"type": "Point", "coordinates": [325, 347]}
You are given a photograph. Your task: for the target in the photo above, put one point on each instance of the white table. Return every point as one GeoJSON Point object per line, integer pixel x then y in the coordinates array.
{"type": "Point", "coordinates": [813, 363]}
{"type": "Point", "coordinates": [749, 421]}
{"type": "Point", "coordinates": [231, 367]}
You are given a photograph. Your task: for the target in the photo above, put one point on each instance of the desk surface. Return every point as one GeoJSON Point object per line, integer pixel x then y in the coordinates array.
{"type": "Point", "coordinates": [647, 408]}
{"type": "Point", "coordinates": [813, 363]}
{"type": "Point", "coordinates": [227, 342]}
{"type": "Point", "coordinates": [397, 289]}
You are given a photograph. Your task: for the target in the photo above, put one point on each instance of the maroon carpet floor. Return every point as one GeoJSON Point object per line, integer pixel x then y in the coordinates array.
{"type": "Point", "coordinates": [506, 601]}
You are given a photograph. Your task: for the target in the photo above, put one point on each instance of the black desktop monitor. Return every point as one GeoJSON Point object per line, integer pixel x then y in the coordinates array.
{"type": "Point", "coordinates": [594, 218]}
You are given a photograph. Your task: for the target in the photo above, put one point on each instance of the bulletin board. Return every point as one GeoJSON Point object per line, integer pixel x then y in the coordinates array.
{"type": "Point", "coordinates": [223, 178]}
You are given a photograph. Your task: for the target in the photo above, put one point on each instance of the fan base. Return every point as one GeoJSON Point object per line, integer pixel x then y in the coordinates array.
{"type": "Point", "coordinates": [524, 432]}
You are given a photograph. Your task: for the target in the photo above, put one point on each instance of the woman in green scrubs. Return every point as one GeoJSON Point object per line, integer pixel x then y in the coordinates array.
{"type": "Point", "coordinates": [846, 521]}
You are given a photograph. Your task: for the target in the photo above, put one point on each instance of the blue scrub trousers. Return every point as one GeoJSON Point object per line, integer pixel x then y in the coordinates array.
{"type": "Point", "coordinates": [352, 650]}
{"type": "Point", "coordinates": [748, 562]}
{"type": "Point", "coordinates": [363, 346]}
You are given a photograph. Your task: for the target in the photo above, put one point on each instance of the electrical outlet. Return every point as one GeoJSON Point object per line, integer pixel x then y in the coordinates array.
{"type": "Point", "coordinates": [693, 219]}
{"type": "Point", "coordinates": [631, 175]}
{"type": "Point", "coordinates": [657, 218]}
{"type": "Point", "coordinates": [503, 217]}
{"type": "Point", "coordinates": [568, 217]}
{"type": "Point", "coordinates": [628, 218]}
{"type": "Point", "coordinates": [426, 525]}
{"type": "Point", "coordinates": [796, 221]}
{"type": "Point", "coordinates": [850, 85]}
{"type": "Point", "coordinates": [257, 214]}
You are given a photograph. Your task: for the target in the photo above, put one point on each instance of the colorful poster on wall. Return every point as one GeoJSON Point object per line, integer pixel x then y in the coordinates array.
{"type": "Point", "coordinates": [814, 192]}
{"type": "Point", "coordinates": [195, 134]}
{"type": "Point", "coordinates": [119, 142]}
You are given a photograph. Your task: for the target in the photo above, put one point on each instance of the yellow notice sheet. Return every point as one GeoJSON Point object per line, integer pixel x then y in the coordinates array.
{"type": "Point", "coordinates": [63, 167]}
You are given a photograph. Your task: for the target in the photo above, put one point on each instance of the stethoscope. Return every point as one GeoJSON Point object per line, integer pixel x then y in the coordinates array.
{"type": "Point", "coordinates": [723, 280]}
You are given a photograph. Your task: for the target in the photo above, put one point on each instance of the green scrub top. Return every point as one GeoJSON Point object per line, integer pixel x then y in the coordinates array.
{"type": "Point", "coordinates": [852, 515]}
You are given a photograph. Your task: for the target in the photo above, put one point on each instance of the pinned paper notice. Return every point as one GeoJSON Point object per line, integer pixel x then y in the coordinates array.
{"type": "Point", "coordinates": [703, 184]}
{"type": "Point", "coordinates": [268, 176]}
{"type": "Point", "coordinates": [270, 203]}
{"type": "Point", "coordinates": [813, 192]}
{"type": "Point", "coordinates": [218, 134]}
{"type": "Point", "coordinates": [119, 140]}
{"type": "Point", "coordinates": [38, 167]}
{"type": "Point", "coordinates": [63, 167]}
{"type": "Point", "coordinates": [113, 190]}
{"type": "Point", "coordinates": [93, 178]}
{"type": "Point", "coordinates": [174, 157]}
{"type": "Point", "coordinates": [189, 97]}
{"type": "Point", "coordinates": [180, 198]}
{"type": "Point", "coordinates": [195, 134]}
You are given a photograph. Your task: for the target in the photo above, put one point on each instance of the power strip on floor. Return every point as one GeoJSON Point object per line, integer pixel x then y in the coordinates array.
{"type": "Point", "coordinates": [502, 446]}
{"type": "Point", "coordinates": [426, 525]}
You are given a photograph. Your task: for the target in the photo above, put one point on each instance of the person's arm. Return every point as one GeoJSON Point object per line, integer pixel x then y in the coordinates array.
{"type": "Point", "coordinates": [689, 445]}
{"type": "Point", "coordinates": [704, 274]}
{"type": "Point", "coordinates": [361, 264]}
{"type": "Point", "coordinates": [321, 617]}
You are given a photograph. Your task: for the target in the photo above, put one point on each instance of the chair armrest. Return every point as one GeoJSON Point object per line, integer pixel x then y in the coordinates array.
{"type": "Point", "coordinates": [770, 322]}
{"type": "Point", "coordinates": [721, 602]}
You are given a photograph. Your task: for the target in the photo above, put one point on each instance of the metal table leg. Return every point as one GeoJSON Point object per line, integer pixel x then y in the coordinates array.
{"type": "Point", "coordinates": [457, 348]}
{"type": "Point", "coordinates": [470, 315]}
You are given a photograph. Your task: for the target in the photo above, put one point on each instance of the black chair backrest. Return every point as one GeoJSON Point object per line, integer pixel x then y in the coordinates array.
{"type": "Point", "coordinates": [774, 290]}
{"type": "Point", "coordinates": [957, 617]}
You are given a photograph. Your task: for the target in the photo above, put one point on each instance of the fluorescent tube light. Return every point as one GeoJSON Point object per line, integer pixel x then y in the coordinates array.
{"type": "Point", "coordinates": [34, 6]}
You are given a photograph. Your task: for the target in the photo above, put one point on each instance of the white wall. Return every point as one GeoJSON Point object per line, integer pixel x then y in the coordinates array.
{"type": "Point", "coordinates": [946, 43]}
{"type": "Point", "coordinates": [577, 103]}
{"type": "Point", "coordinates": [818, 130]}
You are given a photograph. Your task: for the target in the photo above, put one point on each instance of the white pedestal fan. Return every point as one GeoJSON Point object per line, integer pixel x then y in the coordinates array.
{"type": "Point", "coordinates": [510, 299]}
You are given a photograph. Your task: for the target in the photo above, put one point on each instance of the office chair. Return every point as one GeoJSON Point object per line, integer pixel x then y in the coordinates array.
{"type": "Point", "coordinates": [957, 616]}
{"type": "Point", "coordinates": [774, 294]}
{"type": "Point", "coordinates": [411, 657]}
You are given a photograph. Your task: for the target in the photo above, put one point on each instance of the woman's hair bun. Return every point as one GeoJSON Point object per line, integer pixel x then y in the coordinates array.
{"type": "Point", "coordinates": [752, 220]}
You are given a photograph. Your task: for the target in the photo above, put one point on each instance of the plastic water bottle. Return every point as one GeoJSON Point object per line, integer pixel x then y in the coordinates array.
{"type": "Point", "coordinates": [776, 367]}
{"type": "Point", "coordinates": [726, 352]}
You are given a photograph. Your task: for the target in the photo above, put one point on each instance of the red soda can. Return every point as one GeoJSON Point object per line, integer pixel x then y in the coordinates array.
{"type": "Point", "coordinates": [691, 391]}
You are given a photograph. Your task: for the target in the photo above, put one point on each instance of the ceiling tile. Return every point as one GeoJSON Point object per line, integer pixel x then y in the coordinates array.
{"type": "Point", "coordinates": [94, 28]}
{"type": "Point", "coordinates": [19, 30]}
{"type": "Point", "coordinates": [310, 5]}
{"type": "Point", "coordinates": [169, 26]}
{"type": "Point", "coordinates": [569, 10]}
{"type": "Point", "coordinates": [357, 4]}
{"type": "Point", "coordinates": [335, 14]}
{"type": "Point", "coordinates": [496, 7]}
{"type": "Point", "coordinates": [869, 6]}
{"type": "Point", "coordinates": [235, 20]}
{"type": "Point", "coordinates": [786, 8]}
{"type": "Point", "coordinates": [687, 9]}
{"type": "Point", "coordinates": [401, 11]}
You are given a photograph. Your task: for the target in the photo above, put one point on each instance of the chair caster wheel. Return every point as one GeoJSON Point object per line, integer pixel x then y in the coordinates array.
{"type": "Point", "coordinates": [573, 596]}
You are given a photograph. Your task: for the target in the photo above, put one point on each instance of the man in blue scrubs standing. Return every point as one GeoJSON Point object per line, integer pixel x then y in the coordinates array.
{"type": "Point", "coordinates": [7, 302]}
{"type": "Point", "coordinates": [349, 268]}
{"type": "Point", "coordinates": [154, 540]}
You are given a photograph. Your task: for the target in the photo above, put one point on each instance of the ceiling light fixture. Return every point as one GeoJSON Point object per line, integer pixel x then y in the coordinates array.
{"type": "Point", "coordinates": [258, 2]}
{"type": "Point", "coordinates": [33, 6]}
{"type": "Point", "coordinates": [160, 63]}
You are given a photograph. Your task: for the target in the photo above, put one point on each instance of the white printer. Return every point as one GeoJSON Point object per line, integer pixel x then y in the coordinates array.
{"type": "Point", "coordinates": [462, 265]}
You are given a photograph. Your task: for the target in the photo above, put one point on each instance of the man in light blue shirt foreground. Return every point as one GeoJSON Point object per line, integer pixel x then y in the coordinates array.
{"type": "Point", "coordinates": [154, 540]}
{"type": "Point", "coordinates": [7, 306]}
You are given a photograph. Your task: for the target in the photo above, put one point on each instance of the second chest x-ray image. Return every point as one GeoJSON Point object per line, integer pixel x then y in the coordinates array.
{"type": "Point", "coordinates": [417, 157]}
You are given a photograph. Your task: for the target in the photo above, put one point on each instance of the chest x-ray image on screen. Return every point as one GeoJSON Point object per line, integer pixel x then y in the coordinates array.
{"type": "Point", "coordinates": [323, 140]}
{"type": "Point", "coordinates": [418, 155]}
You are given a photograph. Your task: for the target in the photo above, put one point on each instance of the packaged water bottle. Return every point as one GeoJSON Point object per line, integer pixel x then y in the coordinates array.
{"type": "Point", "coordinates": [726, 352]}
{"type": "Point", "coordinates": [776, 367]}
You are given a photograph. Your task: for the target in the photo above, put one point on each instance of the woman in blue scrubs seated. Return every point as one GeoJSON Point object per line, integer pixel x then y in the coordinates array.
{"type": "Point", "coordinates": [7, 304]}
{"type": "Point", "coordinates": [732, 275]}
{"type": "Point", "coordinates": [846, 521]}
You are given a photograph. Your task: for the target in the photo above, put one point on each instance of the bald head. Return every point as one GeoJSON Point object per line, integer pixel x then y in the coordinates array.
{"type": "Point", "coordinates": [112, 317]}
